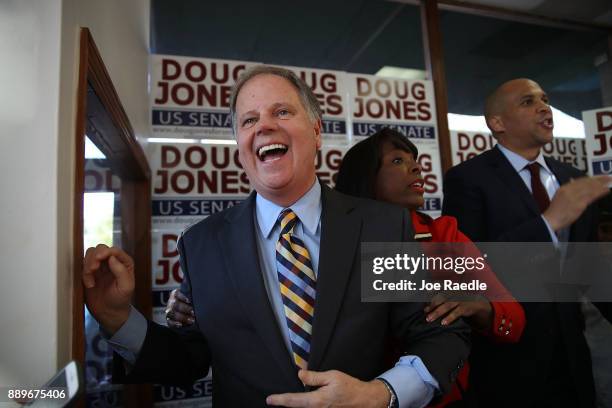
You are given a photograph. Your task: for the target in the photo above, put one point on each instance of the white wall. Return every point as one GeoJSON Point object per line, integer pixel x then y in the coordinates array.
{"type": "Point", "coordinates": [29, 95]}
{"type": "Point", "coordinates": [38, 75]}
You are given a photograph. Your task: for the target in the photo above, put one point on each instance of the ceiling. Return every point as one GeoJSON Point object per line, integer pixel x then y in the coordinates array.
{"type": "Point", "coordinates": [591, 11]}
{"type": "Point", "coordinates": [364, 35]}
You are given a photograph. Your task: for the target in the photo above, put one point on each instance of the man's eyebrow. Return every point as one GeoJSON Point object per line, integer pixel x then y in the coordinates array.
{"type": "Point", "coordinates": [525, 97]}
{"type": "Point", "coordinates": [251, 112]}
{"type": "Point", "coordinates": [279, 104]}
{"type": "Point", "coordinates": [274, 106]}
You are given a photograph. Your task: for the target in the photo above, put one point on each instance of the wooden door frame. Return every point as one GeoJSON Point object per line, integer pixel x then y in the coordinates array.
{"type": "Point", "coordinates": [127, 160]}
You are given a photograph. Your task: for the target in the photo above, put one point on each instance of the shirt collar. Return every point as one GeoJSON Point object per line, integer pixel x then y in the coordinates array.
{"type": "Point", "coordinates": [518, 162]}
{"type": "Point", "coordinates": [307, 208]}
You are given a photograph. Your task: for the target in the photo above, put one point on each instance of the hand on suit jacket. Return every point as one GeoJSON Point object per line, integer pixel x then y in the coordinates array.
{"type": "Point", "coordinates": [478, 312]}
{"type": "Point", "coordinates": [573, 198]}
{"type": "Point", "coordinates": [108, 277]}
{"type": "Point", "coordinates": [335, 389]}
{"type": "Point", "coordinates": [179, 311]}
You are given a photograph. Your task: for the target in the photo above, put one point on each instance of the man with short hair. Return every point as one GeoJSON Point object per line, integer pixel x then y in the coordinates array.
{"type": "Point", "coordinates": [512, 193]}
{"type": "Point", "coordinates": [275, 282]}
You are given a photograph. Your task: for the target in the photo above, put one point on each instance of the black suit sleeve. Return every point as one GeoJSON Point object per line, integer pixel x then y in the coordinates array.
{"type": "Point", "coordinates": [443, 349]}
{"type": "Point", "coordinates": [169, 356]}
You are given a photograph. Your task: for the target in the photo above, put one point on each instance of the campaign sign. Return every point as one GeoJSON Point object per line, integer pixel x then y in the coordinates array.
{"type": "Point", "coordinates": [567, 150]}
{"type": "Point", "coordinates": [190, 97]}
{"type": "Point", "coordinates": [406, 106]}
{"type": "Point", "coordinates": [166, 269]}
{"type": "Point", "coordinates": [465, 145]}
{"type": "Point", "coordinates": [330, 89]}
{"type": "Point", "coordinates": [193, 181]}
{"type": "Point", "coordinates": [197, 395]}
{"type": "Point", "coordinates": [598, 129]}
{"type": "Point", "coordinates": [100, 178]}
{"type": "Point", "coordinates": [429, 159]}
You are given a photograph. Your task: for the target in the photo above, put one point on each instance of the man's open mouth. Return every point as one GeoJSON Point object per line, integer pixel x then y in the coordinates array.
{"type": "Point", "coordinates": [547, 123]}
{"type": "Point", "coordinates": [272, 151]}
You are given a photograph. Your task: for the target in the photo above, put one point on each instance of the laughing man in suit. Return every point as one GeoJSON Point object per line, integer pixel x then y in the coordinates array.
{"type": "Point", "coordinates": [275, 282]}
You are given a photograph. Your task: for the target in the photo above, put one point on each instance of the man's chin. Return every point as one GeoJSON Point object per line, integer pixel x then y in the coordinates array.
{"type": "Point", "coordinates": [270, 188]}
{"type": "Point", "coordinates": [544, 139]}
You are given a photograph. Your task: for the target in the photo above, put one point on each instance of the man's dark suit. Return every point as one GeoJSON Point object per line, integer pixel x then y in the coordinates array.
{"type": "Point", "coordinates": [492, 203]}
{"type": "Point", "coordinates": [238, 334]}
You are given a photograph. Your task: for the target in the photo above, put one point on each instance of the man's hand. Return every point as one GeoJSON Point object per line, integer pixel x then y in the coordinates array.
{"type": "Point", "coordinates": [108, 277]}
{"type": "Point", "coordinates": [573, 198]}
{"type": "Point", "coordinates": [336, 389]}
{"type": "Point", "coordinates": [477, 312]}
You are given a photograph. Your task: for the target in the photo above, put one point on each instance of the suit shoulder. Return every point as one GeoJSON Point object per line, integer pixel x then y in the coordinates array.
{"type": "Point", "coordinates": [211, 223]}
{"type": "Point", "coordinates": [369, 207]}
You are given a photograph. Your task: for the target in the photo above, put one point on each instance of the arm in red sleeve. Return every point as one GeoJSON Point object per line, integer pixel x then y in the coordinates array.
{"type": "Point", "coordinates": [508, 314]}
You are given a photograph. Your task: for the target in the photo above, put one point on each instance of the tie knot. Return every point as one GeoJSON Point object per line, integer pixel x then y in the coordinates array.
{"type": "Point", "coordinates": [534, 168]}
{"type": "Point", "coordinates": [288, 219]}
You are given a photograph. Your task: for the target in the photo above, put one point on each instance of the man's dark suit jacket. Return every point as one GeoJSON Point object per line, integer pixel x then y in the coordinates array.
{"type": "Point", "coordinates": [238, 335]}
{"type": "Point", "coordinates": [492, 203]}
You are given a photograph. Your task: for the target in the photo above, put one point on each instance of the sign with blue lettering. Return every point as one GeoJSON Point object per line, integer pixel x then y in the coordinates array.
{"type": "Point", "coordinates": [465, 145]}
{"type": "Point", "coordinates": [190, 96]}
{"type": "Point", "coordinates": [598, 130]}
{"type": "Point", "coordinates": [406, 106]}
{"type": "Point", "coordinates": [330, 89]}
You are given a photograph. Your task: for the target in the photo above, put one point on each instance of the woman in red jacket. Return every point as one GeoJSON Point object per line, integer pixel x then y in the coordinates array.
{"type": "Point", "coordinates": [385, 167]}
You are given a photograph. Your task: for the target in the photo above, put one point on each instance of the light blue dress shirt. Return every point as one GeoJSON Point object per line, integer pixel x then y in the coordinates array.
{"type": "Point", "coordinates": [549, 181]}
{"type": "Point", "coordinates": [410, 379]}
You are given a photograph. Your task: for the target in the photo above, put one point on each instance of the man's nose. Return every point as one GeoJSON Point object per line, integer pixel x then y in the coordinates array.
{"type": "Point", "coordinates": [266, 124]}
{"type": "Point", "coordinates": [543, 106]}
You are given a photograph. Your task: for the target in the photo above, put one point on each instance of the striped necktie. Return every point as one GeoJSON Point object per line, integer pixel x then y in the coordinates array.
{"type": "Point", "coordinates": [297, 285]}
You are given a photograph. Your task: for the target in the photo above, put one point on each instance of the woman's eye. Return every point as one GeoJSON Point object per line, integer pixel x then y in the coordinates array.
{"type": "Point", "coordinates": [397, 160]}
{"type": "Point", "coordinates": [283, 112]}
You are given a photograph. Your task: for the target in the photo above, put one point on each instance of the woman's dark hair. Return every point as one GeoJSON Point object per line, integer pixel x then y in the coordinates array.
{"type": "Point", "coordinates": [360, 165]}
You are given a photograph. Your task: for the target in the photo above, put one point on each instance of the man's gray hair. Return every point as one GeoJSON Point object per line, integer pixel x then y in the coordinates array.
{"type": "Point", "coordinates": [307, 97]}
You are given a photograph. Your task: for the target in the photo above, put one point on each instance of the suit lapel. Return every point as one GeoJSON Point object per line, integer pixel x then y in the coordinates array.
{"type": "Point", "coordinates": [340, 232]}
{"type": "Point", "coordinates": [245, 273]}
{"type": "Point", "coordinates": [504, 170]}
{"type": "Point", "coordinates": [559, 172]}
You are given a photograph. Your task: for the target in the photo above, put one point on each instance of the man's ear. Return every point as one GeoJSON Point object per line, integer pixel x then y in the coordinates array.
{"type": "Point", "coordinates": [317, 130]}
{"type": "Point", "coordinates": [496, 124]}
